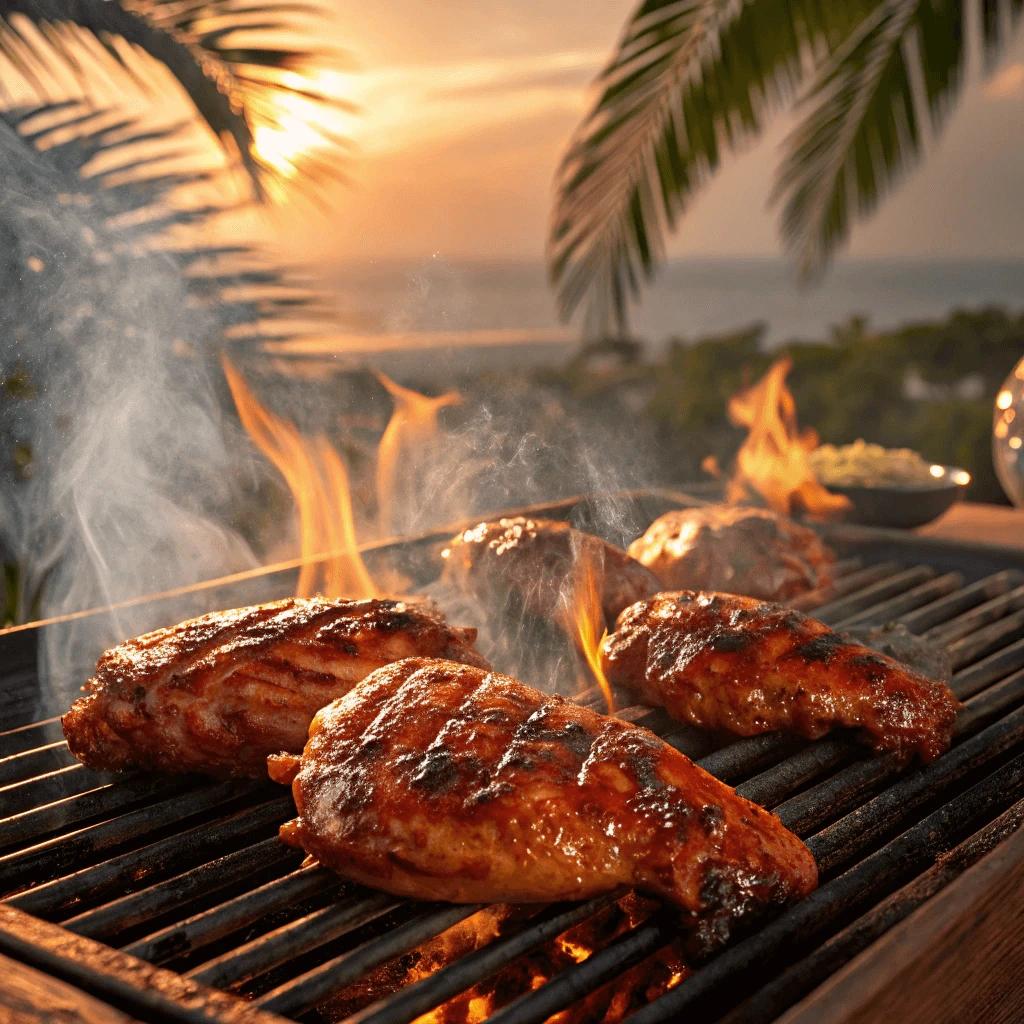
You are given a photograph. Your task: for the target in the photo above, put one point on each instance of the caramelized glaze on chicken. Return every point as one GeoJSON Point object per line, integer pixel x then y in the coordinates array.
{"type": "Point", "coordinates": [217, 694]}
{"type": "Point", "coordinates": [532, 558]}
{"type": "Point", "coordinates": [442, 781]}
{"type": "Point", "coordinates": [734, 663]}
{"type": "Point", "coordinates": [733, 548]}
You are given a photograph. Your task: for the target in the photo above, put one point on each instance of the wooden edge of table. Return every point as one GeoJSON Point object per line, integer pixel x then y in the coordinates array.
{"type": "Point", "coordinates": [28, 996]}
{"type": "Point", "coordinates": [957, 959]}
{"type": "Point", "coordinates": [124, 980]}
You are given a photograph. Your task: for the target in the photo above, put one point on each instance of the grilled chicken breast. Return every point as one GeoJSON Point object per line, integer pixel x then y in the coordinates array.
{"type": "Point", "coordinates": [219, 693]}
{"type": "Point", "coordinates": [735, 663]}
{"type": "Point", "coordinates": [750, 551]}
{"type": "Point", "coordinates": [531, 559]}
{"type": "Point", "coordinates": [438, 780]}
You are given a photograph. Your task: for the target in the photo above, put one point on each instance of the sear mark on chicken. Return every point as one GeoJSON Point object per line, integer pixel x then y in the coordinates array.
{"type": "Point", "coordinates": [217, 694]}
{"type": "Point", "coordinates": [480, 788]}
{"type": "Point", "coordinates": [734, 663]}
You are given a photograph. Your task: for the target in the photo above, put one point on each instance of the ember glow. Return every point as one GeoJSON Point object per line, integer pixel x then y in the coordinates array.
{"type": "Point", "coordinates": [318, 480]}
{"type": "Point", "coordinates": [772, 461]}
{"type": "Point", "coordinates": [412, 425]}
{"type": "Point", "coordinates": [609, 1004]}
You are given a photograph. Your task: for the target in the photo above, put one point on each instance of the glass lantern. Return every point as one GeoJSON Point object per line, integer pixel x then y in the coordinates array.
{"type": "Point", "coordinates": [1008, 435]}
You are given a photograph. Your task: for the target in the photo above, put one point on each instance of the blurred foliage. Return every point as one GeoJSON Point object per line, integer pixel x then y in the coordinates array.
{"type": "Point", "coordinates": [871, 83]}
{"type": "Point", "coordinates": [927, 386]}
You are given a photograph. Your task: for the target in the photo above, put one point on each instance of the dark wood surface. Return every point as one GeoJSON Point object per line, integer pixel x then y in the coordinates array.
{"type": "Point", "coordinates": [150, 992]}
{"type": "Point", "coordinates": [959, 959]}
{"type": "Point", "coordinates": [28, 996]}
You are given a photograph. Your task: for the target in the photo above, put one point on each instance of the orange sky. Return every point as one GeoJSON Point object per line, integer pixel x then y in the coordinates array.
{"type": "Point", "coordinates": [468, 106]}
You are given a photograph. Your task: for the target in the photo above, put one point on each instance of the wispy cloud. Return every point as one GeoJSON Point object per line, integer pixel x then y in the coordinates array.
{"type": "Point", "coordinates": [1008, 84]}
{"type": "Point", "coordinates": [408, 103]}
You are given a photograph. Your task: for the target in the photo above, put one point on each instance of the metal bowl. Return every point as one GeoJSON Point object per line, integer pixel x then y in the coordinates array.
{"type": "Point", "coordinates": [905, 507]}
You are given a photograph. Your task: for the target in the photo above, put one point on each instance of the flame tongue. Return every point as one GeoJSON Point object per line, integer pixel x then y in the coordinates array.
{"type": "Point", "coordinates": [580, 608]}
{"type": "Point", "coordinates": [772, 461]}
{"type": "Point", "coordinates": [319, 484]}
{"type": "Point", "coordinates": [413, 423]}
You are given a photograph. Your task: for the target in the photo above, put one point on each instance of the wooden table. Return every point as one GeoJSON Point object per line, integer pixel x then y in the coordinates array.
{"type": "Point", "coordinates": [973, 521]}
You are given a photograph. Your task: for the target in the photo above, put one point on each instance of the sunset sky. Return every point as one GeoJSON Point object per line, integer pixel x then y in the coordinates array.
{"type": "Point", "coordinates": [468, 106]}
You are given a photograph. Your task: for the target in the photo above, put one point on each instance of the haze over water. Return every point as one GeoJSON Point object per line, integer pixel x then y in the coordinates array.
{"type": "Point", "coordinates": [691, 298]}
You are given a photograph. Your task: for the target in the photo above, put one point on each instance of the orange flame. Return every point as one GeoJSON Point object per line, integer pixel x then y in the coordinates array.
{"type": "Point", "coordinates": [318, 481]}
{"type": "Point", "coordinates": [582, 615]}
{"type": "Point", "coordinates": [609, 1004]}
{"type": "Point", "coordinates": [773, 459]}
{"type": "Point", "coordinates": [412, 424]}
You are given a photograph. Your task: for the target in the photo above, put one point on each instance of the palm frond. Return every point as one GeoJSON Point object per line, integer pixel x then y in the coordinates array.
{"type": "Point", "coordinates": [862, 132]}
{"type": "Point", "coordinates": [228, 55]}
{"type": "Point", "coordinates": [691, 78]}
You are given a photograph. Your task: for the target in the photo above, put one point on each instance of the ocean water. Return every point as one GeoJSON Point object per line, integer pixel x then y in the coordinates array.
{"type": "Point", "coordinates": [689, 299]}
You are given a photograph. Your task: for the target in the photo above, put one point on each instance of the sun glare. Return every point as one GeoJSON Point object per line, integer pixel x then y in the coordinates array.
{"type": "Point", "coordinates": [298, 126]}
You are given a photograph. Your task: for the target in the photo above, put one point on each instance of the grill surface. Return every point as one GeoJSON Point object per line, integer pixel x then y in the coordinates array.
{"type": "Point", "coordinates": [189, 875]}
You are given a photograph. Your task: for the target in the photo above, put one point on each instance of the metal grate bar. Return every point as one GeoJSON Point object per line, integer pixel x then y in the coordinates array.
{"type": "Point", "coordinates": [29, 763]}
{"type": "Point", "coordinates": [991, 702]}
{"type": "Point", "coordinates": [406, 1005]}
{"type": "Point", "coordinates": [133, 909]}
{"type": "Point", "coordinates": [772, 786]}
{"type": "Point", "coordinates": [837, 611]}
{"type": "Point", "coordinates": [985, 640]}
{"type": "Point", "coordinates": [846, 566]}
{"type": "Point", "coordinates": [803, 813]}
{"type": "Point", "coordinates": [898, 859]}
{"type": "Point", "coordinates": [293, 939]}
{"type": "Point", "coordinates": [846, 789]}
{"type": "Point", "coordinates": [906, 602]}
{"type": "Point", "coordinates": [747, 755]}
{"type": "Point", "coordinates": [209, 925]}
{"type": "Point", "coordinates": [656, 719]}
{"type": "Point", "coordinates": [793, 984]}
{"type": "Point", "coordinates": [131, 868]}
{"type": "Point", "coordinates": [26, 737]}
{"type": "Point", "coordinates": [858, 829]}
{"type": "Point", "coordinates": [60, 856]}
{"type": "Point", "coordinates": [937, 615]}
{"type": "Point", "coordinates": [968, 682]}
{"type": "Point", "coordinates": [583, 978]}
{"type": "Point", "coordinates": [302, 993]}
{"type": "Point", "coordinates": [44, 789]}
{"type": "Point", "coordinates": [109, 799]}
{"type": "Point", "coordinates": [981, 615]}
{"type": "Point", "coordinates": [843, 586]}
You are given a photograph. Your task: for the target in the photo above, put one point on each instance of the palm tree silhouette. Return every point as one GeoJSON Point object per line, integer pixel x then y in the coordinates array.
{"type": "Point", "coordinates": [694, 79]}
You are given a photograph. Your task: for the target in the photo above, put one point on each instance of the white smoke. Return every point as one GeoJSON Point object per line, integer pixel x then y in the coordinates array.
{"type": "Point", "coordinates": [126, 464]}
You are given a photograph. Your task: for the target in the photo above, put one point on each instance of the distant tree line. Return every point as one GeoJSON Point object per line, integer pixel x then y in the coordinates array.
{"type": "Point", "coordinates": [927, 386]}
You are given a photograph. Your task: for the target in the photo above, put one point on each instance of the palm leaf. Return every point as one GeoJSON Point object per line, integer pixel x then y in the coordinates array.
{"type": "Point", "coordinates": [862, 131]}
{"type": "Point", "coordinates": [691, 78]}
{"type": "Point", "coordinates": [227, 55]}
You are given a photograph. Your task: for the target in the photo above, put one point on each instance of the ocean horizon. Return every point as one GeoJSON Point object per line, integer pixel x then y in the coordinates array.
{"type": "Point", "coordinates": [690, 298]}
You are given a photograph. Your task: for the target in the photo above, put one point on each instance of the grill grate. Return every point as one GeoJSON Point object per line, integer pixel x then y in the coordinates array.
{"type": "Point", "coordinates": [189, 874]}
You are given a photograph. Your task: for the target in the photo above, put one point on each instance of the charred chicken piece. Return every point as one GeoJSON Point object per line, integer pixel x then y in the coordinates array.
{"type": "Point", "coordinates": [219, 693]}
{"type": "Point", "coordinates": [531, 559]}
{"type": "Point", "coordinates": [740, 550]}
{"type": "Point", "coordinates": [436, 780]}
{"type": "Point", "coordinates": [734, 663]}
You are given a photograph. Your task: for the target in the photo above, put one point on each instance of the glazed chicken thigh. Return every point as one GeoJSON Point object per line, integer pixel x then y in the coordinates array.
{"type": "Point", "coordinates": [738, 664]}
{"type": "Point", "coordinates": [437, 780]}
{"type": "Point", "coordinates": [217, 694]}
{"type": "Point", "coordinates": [532, 559]}
{"type": "Point", "coordinates": [733, 548]}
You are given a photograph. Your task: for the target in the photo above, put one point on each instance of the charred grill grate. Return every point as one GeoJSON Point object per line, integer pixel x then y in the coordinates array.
{"type": "Point", "coordinates": [189, 874]}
